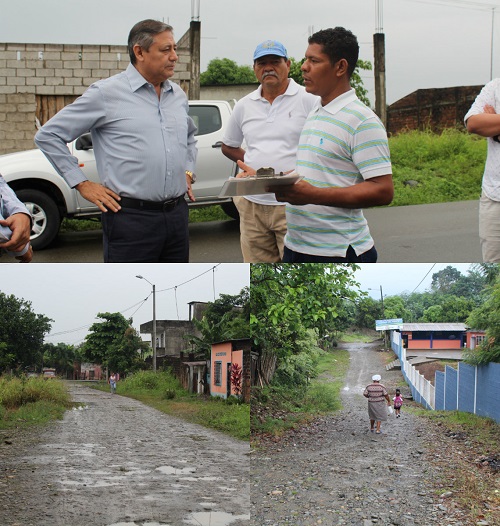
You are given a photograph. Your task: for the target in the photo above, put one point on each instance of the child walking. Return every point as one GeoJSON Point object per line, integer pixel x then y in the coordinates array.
{"type": "Point", "coordinates": [398, 402]}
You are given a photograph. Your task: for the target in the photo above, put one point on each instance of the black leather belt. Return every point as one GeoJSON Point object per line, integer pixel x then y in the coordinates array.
{"type": "Point", "coordinates": [141, 204]}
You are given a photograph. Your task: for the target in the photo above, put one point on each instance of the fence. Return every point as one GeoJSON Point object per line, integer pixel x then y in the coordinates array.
{"type": "Point", "coordinates": [422, 390]}
{"type": "Point", "coordinates": [470, 389]}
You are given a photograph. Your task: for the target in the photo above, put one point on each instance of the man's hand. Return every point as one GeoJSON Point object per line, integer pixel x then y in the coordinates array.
{"type": "Point", "coordinates": [20, 225]}
{"type": "Point", "coordinates": [300, 193]}
{"type": "Point", "coordinates": [245, 169]}
{"type": "Point", "coordinates": [190, 188]}
{"type": "Point", "coordinates": [98, 194]}
{"type": "Point", "coordinates": [489, 109]}
{"type": "Point", "coordinates": [26, 258]}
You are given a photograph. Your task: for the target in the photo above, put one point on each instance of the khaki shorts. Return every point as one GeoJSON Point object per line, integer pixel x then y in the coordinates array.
{"type": "Point", "coordinates": [262, 231]}
{"type": "Point", "coordinates": [489, 229]}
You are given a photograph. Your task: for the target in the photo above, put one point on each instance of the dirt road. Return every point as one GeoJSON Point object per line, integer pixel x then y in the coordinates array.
{"type": "Point", "coordinates": [336, 472]}
{"type": "Point", "coordinates": [117, 462]}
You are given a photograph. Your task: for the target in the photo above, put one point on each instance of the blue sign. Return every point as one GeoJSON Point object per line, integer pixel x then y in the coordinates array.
{"type": "Point", "coordinates": [388, 325]}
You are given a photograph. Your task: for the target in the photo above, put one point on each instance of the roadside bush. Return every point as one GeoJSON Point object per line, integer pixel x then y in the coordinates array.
{"type": "Point", "coordinates": [162, 382]}
{"type": "Point", "coordinates": [17, 392]}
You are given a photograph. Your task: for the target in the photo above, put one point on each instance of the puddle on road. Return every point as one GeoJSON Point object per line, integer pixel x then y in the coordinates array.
{"type": "Point", "coordinates": [169, 470]}
{"type": "Point", "coordinates": [214, 518]}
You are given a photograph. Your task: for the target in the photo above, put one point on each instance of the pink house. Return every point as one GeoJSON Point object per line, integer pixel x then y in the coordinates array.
{"type": "Point", "coordinates": [226, 363]}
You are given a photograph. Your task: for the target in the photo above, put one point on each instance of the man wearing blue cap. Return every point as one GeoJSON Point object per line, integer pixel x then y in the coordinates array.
{"type": "Point", "coordinates": [269, 120]}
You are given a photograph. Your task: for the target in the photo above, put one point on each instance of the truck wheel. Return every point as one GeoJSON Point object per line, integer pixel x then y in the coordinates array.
{"type": "Point", "coordinates": [231, 210]}
{"type": "Point", "coordinates": [46, 217]}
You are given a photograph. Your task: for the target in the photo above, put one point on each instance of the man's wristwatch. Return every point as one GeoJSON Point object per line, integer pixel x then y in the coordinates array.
{"type": "Point", "coordinates": [192, 176]}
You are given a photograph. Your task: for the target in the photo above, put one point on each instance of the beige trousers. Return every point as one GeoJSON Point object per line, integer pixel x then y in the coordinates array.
{"type": "Point", "coordinates": [262, 231]}
{"type": "Point", "coordinates": [489, 229]}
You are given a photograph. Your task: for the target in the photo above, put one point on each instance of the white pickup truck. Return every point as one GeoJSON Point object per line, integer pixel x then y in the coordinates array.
{"type": "Point", "coordinates": [50, 199]}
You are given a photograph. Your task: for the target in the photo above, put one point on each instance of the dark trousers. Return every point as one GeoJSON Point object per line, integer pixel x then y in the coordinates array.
{"type": "Point", "coordinates": [146, 236]}
{"type": "Point", "coordinates": [370, 256]}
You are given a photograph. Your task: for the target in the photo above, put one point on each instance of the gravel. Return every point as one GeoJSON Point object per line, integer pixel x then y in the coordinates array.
{"type": "Point", "coordinates": [115, 461]}
{"type": "Point", "coordinates": [336, 472]}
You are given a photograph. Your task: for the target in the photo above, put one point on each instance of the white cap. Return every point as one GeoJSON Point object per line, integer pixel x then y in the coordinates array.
{"type": "Point", "coordinates": [376, 378]}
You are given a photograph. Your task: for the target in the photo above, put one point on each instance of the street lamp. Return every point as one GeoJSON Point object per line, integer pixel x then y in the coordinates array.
{"type": "Point", "coordinates": [154, 321]}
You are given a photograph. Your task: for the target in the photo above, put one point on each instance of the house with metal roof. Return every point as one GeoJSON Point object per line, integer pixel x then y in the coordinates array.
{"type": "Point", "coordinates": [439, 336]}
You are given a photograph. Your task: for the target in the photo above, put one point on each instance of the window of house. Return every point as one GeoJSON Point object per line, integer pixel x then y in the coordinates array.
{"type": "Point", "coordinates": [218, 373]}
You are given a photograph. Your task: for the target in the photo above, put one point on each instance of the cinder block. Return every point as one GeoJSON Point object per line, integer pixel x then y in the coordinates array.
{"type": "Point", "coordinates": [72, 64]}
{"type": "Point", "coordinates": [25, 72]}
{"type": "Point", "coordinates": [26, 108]}
{"type": "Point", "coordinates": [100, 73]}
{"type": "Point", "coordinates": [45, 90]}
{"type": "Point", "coordinates": [73, 82]}
{"type": "Point", "coordinates": [16, 81]}
{"type": "Point", "coordinates": [45, 72]}
{"type": "Point", "coordinates": [64, 90]}
{"type": "Point", "coordinates": [53, 81]}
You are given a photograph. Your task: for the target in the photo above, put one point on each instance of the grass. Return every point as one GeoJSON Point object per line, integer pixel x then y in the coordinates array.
{"type": "Point", "coordinates": [475, 488]}
{"type": "Point", "coordinates": [28, 401]}
{"type": "Point", "coordinates": [198, 214]}
{"type": "Point", "coordinates": [446, 167]}
{"type": "Point", "coordinates": [163, 391]}
{"type": "Point", "coordinates": [362, 337]}
{"type": "Point", "coordinates": [276, 409]}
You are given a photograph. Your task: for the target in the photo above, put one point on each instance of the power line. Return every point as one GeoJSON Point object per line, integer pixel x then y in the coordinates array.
{"type": "Point", "coordinates": [423, 278]}
{"type": "Point", "coordinates": [141, 303]}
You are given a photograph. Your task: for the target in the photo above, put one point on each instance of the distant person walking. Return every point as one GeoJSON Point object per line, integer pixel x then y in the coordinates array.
{"type": "Point", "coordinates": [112, 383]}
{"type": "Point", "coordinates": [398, 403]}
{"type": "Point", "coordinates": [378, 400]}
{"type": "Point", "coordinates": [484, 119]}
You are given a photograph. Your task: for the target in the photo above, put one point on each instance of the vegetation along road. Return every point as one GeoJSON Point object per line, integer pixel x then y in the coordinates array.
{"type": "Point", "coordinates": [334, 471]}
{"type": "Point", "coordinates": [113, 460]}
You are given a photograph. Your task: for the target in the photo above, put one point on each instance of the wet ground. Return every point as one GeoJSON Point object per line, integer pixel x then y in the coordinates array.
{"type": "Point", "coordinates": [116, 462]}
{"type": "Point", "coordinates": [336, 472]}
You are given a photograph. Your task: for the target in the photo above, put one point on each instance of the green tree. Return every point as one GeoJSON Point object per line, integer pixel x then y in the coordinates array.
{"type": "Point", "coordinates": [22, 332]}
{"type": "Point", "coordinates": [227, 318]}
{"type": "Point", "coordinates": [367, 311]}
{"type": "Point", "coordinates": [113, 343]}
{"type": "Point", "coordinates": [487, 317]}
{"type": "Point", "coordinates": [61, 356]}
{"type": "Point", "coordinates": [288, 300]}
{"type": "Point", "coordinates": [125, 355]}
{"type": "Point", "coordinates": [223, 72]}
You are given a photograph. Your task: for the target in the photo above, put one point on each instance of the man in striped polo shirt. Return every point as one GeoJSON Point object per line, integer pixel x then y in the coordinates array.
{"type": "Point", "coordinates": [344, 157]}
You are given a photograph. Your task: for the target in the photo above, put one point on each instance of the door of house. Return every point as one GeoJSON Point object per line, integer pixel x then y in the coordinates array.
{"type": "Point", "coordinates": [228, 394]}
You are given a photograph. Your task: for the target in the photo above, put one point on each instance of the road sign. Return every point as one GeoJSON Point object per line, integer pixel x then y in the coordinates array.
{"type": "Point", "coordinates": [388, 325]}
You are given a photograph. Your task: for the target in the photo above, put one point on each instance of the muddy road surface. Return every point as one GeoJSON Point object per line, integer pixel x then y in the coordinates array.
{"type": "Point", "coordinates": [336, 472]}
{"type": "Point", "coordinates": [115, 461]}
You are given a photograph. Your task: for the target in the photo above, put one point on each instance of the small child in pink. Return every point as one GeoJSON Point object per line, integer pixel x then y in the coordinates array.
{"type": "Point", "coordinates": [398, 402]}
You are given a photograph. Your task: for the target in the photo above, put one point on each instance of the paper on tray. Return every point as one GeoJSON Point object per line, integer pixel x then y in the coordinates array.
{"type": "Point", "coordinates": [255, 185]}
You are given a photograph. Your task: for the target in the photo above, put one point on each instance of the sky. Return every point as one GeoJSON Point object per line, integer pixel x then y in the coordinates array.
{"type": "Point", "coordinates": [73, 294]}
{"type": "Point", "coordinates": [429, 43]}
{"type": "Point", "coordinates": [395, 278]}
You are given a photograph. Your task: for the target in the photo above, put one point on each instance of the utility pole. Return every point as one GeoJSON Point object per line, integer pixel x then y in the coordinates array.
{"type": "Point", "coordinates": [379, 67]}
{"type": "Point", "coordinates": [154, 320]}
{"type": "Point", "coordinates": [194, 51]}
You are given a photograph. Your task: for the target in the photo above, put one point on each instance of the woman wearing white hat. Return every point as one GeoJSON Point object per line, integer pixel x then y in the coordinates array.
{"type": "Point", "coordinates": [377, 407]}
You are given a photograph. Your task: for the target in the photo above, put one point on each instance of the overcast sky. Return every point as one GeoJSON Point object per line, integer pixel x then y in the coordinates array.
{"type": "Point", "coordinates": [429, 43]}
{"type": "Point", "coordinates": [395, 278]}
{"type": "Point", "coordinates": [72, 295]}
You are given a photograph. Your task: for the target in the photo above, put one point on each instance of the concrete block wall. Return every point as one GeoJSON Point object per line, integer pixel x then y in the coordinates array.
{"type": "Point", "coordinates": [31, 72]}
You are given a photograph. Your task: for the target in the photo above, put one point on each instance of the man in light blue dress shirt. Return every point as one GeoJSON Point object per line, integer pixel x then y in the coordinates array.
{"type": "Point", "coordinates": [15, 225]}
{"type": "Point", "coordinates": [145, 151]}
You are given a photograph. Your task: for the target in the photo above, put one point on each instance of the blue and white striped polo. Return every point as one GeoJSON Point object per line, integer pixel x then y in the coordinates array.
{"type": "Point", "coordinates": [341, 144]}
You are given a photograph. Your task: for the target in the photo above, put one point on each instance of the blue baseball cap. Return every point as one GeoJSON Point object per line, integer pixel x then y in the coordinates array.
{"type": "Point", "coordinates": [270, 47]}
